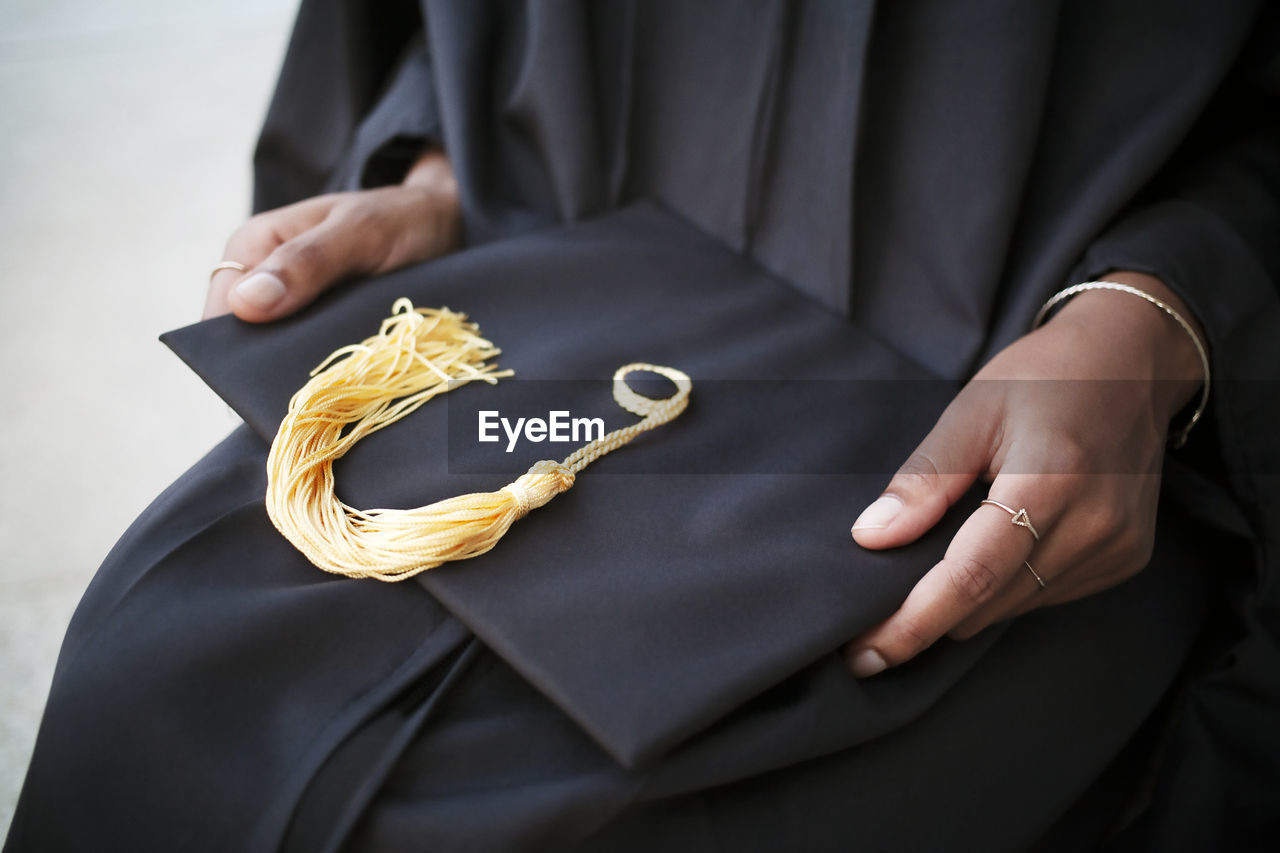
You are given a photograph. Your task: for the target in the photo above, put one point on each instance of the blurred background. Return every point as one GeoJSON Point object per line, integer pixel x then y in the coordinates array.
{"type": "Point", "coordinates": [126, 130]}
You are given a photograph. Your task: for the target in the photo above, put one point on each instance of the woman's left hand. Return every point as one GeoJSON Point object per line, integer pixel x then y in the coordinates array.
{"type": "Point", "coordinates": [1069, 422]}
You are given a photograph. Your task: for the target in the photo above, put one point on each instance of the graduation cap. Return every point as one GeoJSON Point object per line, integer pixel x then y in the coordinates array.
{"type": "Point", "coordinates": [704, 564]}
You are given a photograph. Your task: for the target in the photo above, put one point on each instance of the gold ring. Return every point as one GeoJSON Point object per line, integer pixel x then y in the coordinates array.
{"type": "Point", "coordinates": [1034, 574]}
{"type": "Point", "coordinates": [1019, 517]}
{"type": "Point", "coordinates": [227, 265]}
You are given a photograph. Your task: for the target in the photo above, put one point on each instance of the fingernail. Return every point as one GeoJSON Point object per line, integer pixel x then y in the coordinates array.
{"type": "Point", "coordinates": [261, 289]}
{"type": "Point", "coordinates": [867, 663]}
{"type": "Point", "coordinates": [877, 516]}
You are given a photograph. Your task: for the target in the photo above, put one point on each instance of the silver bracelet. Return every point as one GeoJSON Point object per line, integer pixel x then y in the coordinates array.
{"type": "Point", "coordinates": [1178, 438]}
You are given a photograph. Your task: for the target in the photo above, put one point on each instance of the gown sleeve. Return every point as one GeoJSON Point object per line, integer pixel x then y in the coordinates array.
{"type": "Point", "coordinates": [354, 103]}
{"type": "Point", "coordinates": [1208, 228]}
{"type": "Point", "coordinates": [402, 123]}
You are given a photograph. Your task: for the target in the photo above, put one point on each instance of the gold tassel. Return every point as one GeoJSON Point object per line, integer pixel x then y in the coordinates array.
{"type": "Point", "coordinates": [417, 354]}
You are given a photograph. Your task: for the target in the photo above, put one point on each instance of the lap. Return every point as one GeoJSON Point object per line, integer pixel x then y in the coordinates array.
{"type": "Point", "coordinates": [216, 691]}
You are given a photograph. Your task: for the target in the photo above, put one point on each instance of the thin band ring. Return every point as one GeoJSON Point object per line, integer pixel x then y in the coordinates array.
{"type": "Point", "coordinates": [1020, 518]}
{"type": "Point", "coordinates": [227, 265]}
{"type": "Point", "coordinates": [1034, 574]}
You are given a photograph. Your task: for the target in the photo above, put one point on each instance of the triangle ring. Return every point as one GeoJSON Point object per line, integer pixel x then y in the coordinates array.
{"type": "Point", "coordinates": [1020, 517]}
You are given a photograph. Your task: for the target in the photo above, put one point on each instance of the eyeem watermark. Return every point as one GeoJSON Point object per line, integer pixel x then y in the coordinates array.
{"type": "Point", "coordinates": [558, 427]}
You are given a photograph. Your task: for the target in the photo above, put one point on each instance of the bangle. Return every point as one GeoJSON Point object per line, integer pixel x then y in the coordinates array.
{"type": "Point", "coordinates": [1178, 438]}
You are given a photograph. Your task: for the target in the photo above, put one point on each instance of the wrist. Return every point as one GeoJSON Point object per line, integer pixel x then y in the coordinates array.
{"type": "Point", "coordinates": [1150, 344]}
{"type": "Point", "coordinates": [1176, 350]}
{"type": "Point", "coordinates": [432, 170]}
{"type": "Point", "coordinates": [431, 175]}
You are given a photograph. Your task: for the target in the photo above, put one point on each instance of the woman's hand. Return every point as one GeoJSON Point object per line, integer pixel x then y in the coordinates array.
{"type": "Point", "coordinates": [295, 253]}
{"type": "Point", "coordinates": [1069, 422]}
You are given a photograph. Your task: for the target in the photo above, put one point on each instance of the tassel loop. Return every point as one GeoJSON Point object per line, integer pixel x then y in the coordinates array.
{"type": "Point", "coordinates": [655, 411]}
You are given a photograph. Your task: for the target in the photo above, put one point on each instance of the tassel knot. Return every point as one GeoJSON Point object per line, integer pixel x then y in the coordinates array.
{"type": "Point", "coordinates": [539, 484]}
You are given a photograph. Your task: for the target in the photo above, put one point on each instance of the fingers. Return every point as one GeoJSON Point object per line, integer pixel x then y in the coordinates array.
{"type": "Point", "coordinates": [311, 246]}
{"type": "Point", "coordinates": [297, 252]}
{"type": "Point", "coordinates": [983, 564]}
{"type": "Point", "coordinates": [1039, 579]}
{"type": "Point", "coordinates": [1088, 542]}
{"type": "Point", "coordinates": [940, 470]}
{"type": "Point", "coordinates": [254, 242]}
{"type": "Point", "coordinates": [299, 270]}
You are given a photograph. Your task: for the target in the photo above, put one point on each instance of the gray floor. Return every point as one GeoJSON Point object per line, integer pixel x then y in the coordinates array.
{"type": "Point", "coordinates": [125, 135]}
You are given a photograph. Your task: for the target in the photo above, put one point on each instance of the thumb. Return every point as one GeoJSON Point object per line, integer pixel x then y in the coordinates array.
{"type": "Point", "coordinates": [299, 270]}
{"type": "Point", "coordinates": [935, 475]}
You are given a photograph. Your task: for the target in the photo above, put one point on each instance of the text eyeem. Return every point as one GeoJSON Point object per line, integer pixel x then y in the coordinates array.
{"type": "Point", "coordinates": [558, 427]}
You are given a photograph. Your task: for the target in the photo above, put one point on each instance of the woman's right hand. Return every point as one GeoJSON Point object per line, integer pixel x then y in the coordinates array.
{"type": "Point", "coordinates": [295, 253]}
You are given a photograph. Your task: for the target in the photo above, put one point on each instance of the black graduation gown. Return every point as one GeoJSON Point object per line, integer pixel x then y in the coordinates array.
{"type": "Point", "coordinates": [828, 215]}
